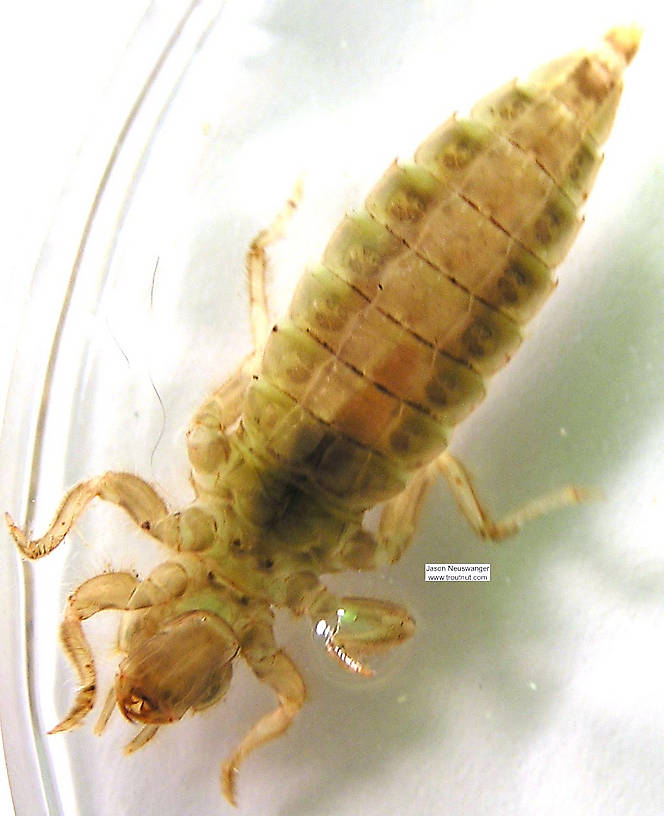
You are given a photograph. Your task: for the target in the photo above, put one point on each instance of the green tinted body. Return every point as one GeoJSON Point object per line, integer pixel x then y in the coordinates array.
{"type": "Point", "coordinates": [421, 296]}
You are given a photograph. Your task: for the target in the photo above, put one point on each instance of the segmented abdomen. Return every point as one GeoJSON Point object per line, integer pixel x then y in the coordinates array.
{"type": "Point", "coordinates": [419, 298]}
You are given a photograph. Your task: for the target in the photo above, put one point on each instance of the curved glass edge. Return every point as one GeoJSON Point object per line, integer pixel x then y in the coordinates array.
{"type": "Point", "coordinates": [153, 44]}
{"type": "Point", "coordinates": [26, 493]}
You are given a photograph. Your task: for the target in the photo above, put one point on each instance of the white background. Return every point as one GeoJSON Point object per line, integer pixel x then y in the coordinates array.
{"type": "Point", "coordinates": [56, 57]}
{"type": "Point", "coordinates": [53, 60]}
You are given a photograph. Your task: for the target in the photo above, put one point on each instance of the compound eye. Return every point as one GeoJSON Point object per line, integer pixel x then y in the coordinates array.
{"type": "Point", "coordinates": [138, 706]}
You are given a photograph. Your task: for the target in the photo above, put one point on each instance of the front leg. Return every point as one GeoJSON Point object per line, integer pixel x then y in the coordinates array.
{"type": "Point", "coordinates": [123, 592]}
{"type": "Point", "coordinates": [354, 628]}
{"type": "Point", "coordinates": [351, 628]}
{"type": "Point", "coordinates": [111, 591]}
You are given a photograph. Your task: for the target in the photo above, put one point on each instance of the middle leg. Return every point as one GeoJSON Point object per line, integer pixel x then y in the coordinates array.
{"type": "Point", "coordinates": [271, 665]}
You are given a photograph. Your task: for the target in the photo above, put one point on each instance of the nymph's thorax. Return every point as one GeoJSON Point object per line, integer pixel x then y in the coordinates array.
{"type": "Point", "coordinates": [260, 530]}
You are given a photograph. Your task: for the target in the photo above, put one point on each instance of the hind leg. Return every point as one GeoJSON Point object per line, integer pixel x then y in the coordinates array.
{"type": "Point", "coordinates": [206, 437]}
{"type": "Point", "coordinates": [478, 517]}
{"type": "Point", "coordinates": [400, 515]}
{"type": "Point", "coordinates": [256, 264]}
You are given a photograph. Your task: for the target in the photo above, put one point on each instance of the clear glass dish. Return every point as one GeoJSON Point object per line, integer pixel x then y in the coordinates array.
{"type": "Point", "coordinates": [537, 693]}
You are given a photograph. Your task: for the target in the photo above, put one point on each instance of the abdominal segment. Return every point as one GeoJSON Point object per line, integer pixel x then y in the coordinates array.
{"type": "Point", "coordinates": [420, 296]}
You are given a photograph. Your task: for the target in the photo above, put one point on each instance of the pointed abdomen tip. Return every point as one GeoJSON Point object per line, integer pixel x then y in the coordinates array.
{"type": "Point", "coordinates": [625, 40]}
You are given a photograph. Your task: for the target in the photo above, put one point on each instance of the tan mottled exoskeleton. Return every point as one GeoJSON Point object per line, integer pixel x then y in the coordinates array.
{"type": "Point", "coordinates": [346, 403]}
